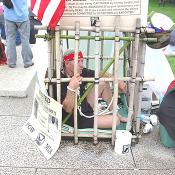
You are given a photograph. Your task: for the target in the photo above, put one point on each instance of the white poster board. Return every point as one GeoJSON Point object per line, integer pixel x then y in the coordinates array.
{"type": "Point", "coordinates": [86, 11]}
{"type": "Point", "coordinates": [157, 67]}
{"type": "Point", "coordinates": [44, 125]}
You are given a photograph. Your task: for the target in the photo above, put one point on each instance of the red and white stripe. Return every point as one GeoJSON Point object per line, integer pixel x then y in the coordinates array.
{"type": "Point", "coordinates": [48, 12]}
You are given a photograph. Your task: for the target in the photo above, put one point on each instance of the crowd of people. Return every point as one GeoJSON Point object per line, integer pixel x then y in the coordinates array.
{"type": "Point", "coordinates": [17, 28]}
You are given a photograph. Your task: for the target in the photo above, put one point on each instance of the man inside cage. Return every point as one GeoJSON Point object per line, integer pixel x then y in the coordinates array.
{"type": "Point", "coordinates": [85, 113]}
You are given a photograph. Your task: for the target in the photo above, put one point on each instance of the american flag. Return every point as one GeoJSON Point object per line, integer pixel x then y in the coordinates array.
{"type": "Point", "coordinates": [48, 12]}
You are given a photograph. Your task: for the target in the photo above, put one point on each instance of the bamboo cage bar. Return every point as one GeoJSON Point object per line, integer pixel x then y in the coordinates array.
{"type": "Point", "coordinates": [131, 55]}
{"type": "Point", "coordinates": [141, 64]}
{"type": "Point", "coordinates": [134, 73]}
{"type": "Point", "coordinates": [101, 55]}
{"type": "Point", "coordinates": [115, 82]}
{"type": "Point", "coordinates": [88, 51]}
{"type": "Point", "coordinates": [77, 35]}
{"type": "Point", "coordinates": [102, 58]}
{"type": "Point", "coordinates": [97, 57]}
{"type": "Point", "coordinates": [107, 135]}
{"type": "Point", "coordinates": [87, 135]}
{"type": "Point", "coordinates": [58, 65]}
{"type": "Point", "coordinates": [67, 41]}
{"type": "Point", "coordinates": [110, 79]}
{"type": "Point", "coordinates": [146, 39]}
{"type": "Point", "coordinates": [137, 95]}
{"type": "Point", "coordinates": [107, 29]}
{"type": "Point", "coordinates": [54, 52]}
{"type": "Point", "coordinates": [50, 67]}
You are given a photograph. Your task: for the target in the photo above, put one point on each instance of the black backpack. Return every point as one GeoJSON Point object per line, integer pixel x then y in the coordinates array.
{"type": "Point", "coordinates": [8, 4]}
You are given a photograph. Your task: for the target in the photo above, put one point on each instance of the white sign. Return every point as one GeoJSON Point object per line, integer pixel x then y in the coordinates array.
{"type": "Point", "coordinates": [44, 125]}
{"type": "Point", "coordinates": [106, 11]}
{"type": "Point", "coordinates": [102, 7]}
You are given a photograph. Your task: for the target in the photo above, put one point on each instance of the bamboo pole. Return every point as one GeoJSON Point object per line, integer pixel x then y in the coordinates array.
{"type": "Point", "coordinates": [83, 28]}
{"type": "Point", "coordinates": [67, 41]}
{"type": "Point", "coordinates": [58, 65]}
{"type": "Point", "coordinates": [77, 36]}
{"type": "Point", "coordinates": [87, 135]}
{"type": "Point", "coordinates": [129, 65]}
{"type": "Point", "coordinates": [88, 51]}
{"type": "Point", "coordinates": [110, 79]}
{"type": "Point", "coordinates": [97, 56]}
{"type": "Point", "coordinates": [146, 39]}
{"type": "Point", "coordinates": [115, 82]}
{"type": "Point", "coordinates": [134, 72]}
{"type": "Point", "coordinates": [50, 65]}
{"type": "Point", "coordinates": [141, 64]}
{"type": "Point", "coordinates": [104, 29]}
{"type": "Point", "coordinates": [54, 54]}
{"type": "Point", "coordinates": [101, 55]}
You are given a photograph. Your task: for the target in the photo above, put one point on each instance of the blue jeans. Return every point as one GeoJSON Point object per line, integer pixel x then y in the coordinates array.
{"type": "Point", "coordinates": [24, 29]}
{"type": "Point", "coordinates": [3, 35]}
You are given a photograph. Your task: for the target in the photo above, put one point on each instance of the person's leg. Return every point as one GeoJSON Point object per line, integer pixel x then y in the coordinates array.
{"type": "Point", "coordinates": [24, 30]}
{"type": "Point", "coordinates": [106, 121]}
{"type": "Point", "coordinates": [18, 39]}
{"type": "Point", "coordinates": [106, 94]}
{"type": "Point", "coordinates": [10, 29]}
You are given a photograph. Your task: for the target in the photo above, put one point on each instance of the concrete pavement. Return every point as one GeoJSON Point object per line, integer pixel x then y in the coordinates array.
{"type": "Point", "coordinates": [19, 155]}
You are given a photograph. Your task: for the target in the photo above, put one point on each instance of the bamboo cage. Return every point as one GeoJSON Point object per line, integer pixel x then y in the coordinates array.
{"type": "Point", "coordinates": [133, 48]}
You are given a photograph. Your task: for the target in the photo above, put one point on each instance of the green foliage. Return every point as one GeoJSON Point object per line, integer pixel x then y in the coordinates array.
{"type": "Point", "coordinates": [171, 60]}
{"type": "Point", "coordinates": [168, 9]}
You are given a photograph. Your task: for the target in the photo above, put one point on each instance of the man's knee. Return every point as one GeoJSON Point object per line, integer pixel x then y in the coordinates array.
{"type": "Point", "coordinates": [104, 85]}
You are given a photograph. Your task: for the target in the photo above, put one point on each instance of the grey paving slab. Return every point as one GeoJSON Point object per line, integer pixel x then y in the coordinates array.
{"type": "Point", "coordinates": [15, 82]}
{"type": "Point", "coordinates": [151, 154]}
{"type": "Point", "coordinates": [14, 106]}
{"type": "Point", "coordinates": [19, 151]}
{"type": "Point", "coordinates": [102, 171]}
{"type": "Point", "coordinates": [55, 171]}
{"type": "Point", "coordinates": [16, 171]}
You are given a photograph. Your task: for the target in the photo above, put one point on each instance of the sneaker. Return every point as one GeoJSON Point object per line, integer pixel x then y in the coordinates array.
{"type": "Point", "coordinates": [26, 66]}
{"type": "Point", "coordinates": [12, 65]}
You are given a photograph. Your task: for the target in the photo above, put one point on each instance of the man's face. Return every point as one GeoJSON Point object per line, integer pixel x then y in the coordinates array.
{"type": "Point", "coordinates": [70, 67]}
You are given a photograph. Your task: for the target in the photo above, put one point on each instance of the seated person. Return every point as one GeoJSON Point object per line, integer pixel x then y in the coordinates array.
{"type": "Point", "coordinates": [68, 94]}
{"type": "Point", "coordinates": [166, 111]}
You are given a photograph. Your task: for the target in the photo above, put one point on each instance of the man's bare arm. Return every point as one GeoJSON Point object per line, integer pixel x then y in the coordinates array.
{"type": "Point", "coordinates": [69, 101]}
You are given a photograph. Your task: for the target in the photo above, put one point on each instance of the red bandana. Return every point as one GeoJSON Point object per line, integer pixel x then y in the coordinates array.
{"type": "Point", "coordinates": [70, 57]}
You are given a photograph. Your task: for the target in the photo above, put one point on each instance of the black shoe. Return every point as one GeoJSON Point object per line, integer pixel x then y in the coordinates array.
{"type": "Point", "coordinates": [26, 66]}
{"type": "Point", "coordinates": [12, 65]}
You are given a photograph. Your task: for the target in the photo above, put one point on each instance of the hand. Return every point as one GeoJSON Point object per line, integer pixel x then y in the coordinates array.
{"type": "Point", "coordinates": [122, 86]}
{"type": "Point", "coordinates": [75, 81]}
